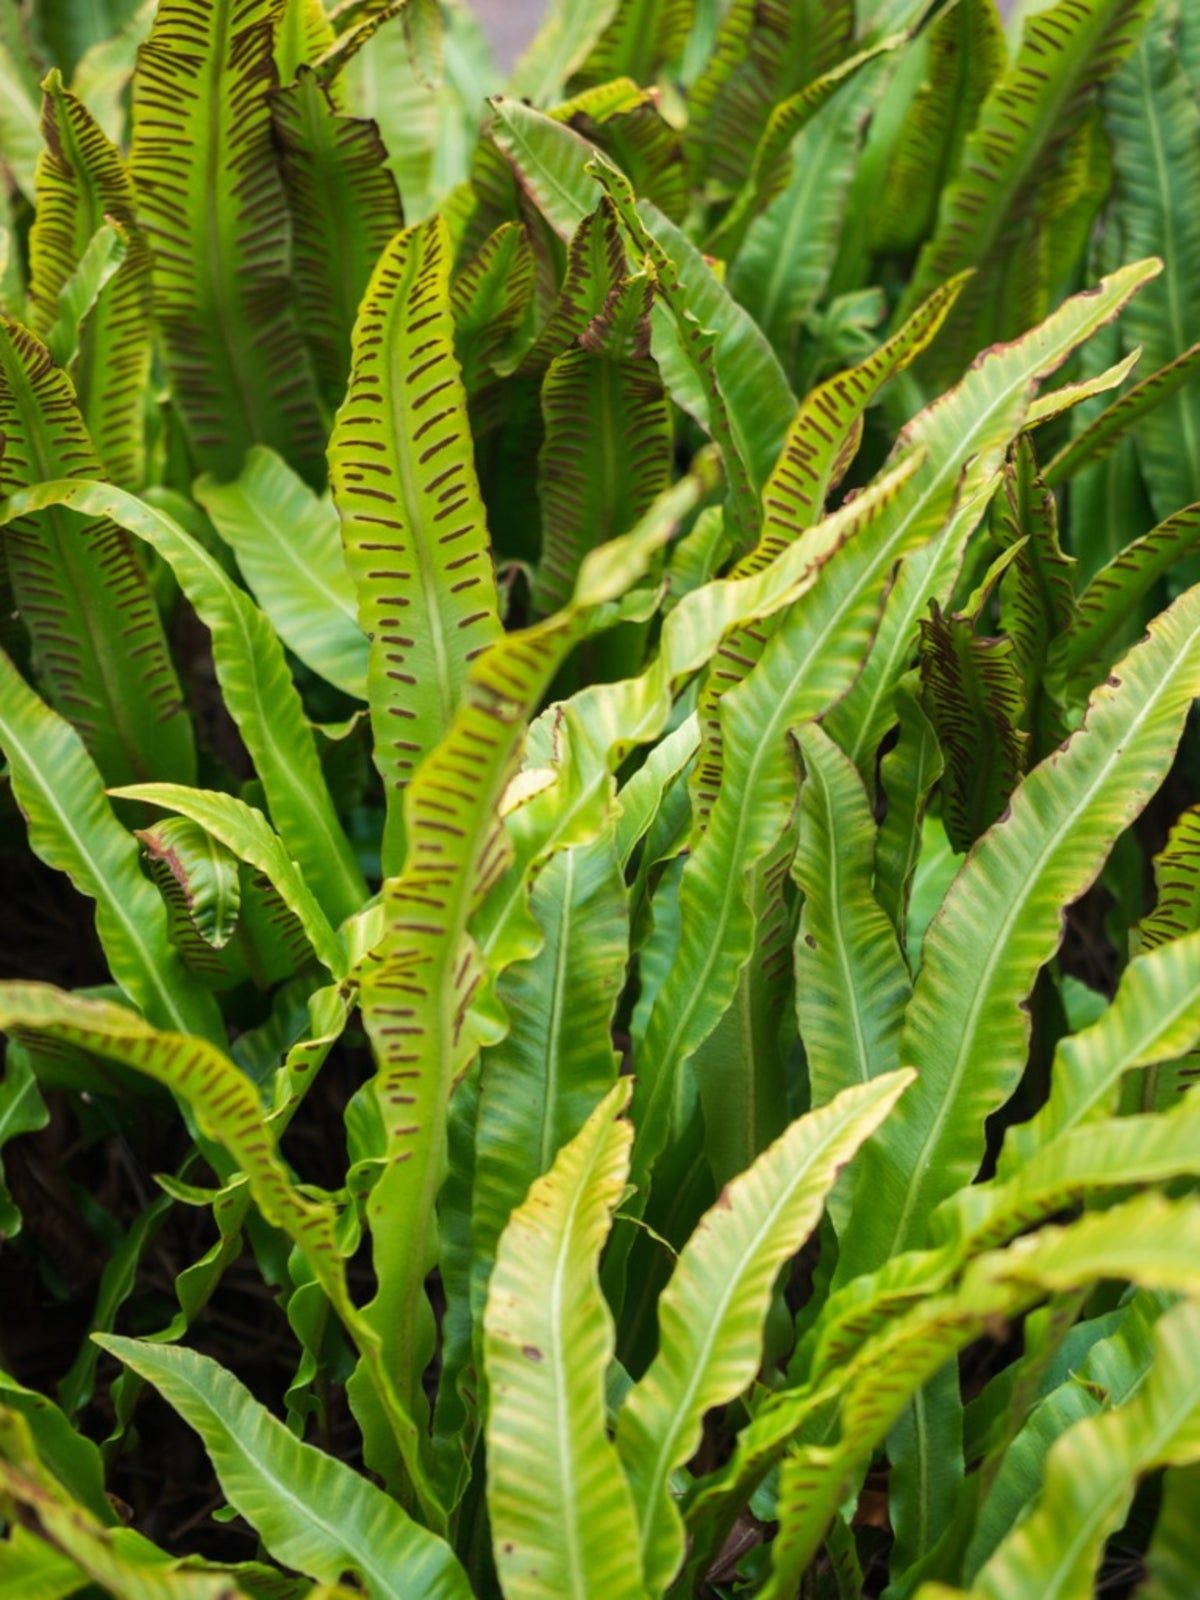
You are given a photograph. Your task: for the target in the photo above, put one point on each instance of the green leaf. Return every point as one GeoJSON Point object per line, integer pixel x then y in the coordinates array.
{"type": "Point", "coordinates": [72, 828]}
{"type": "Point", "coordinates": [1022, 145]}
{"type": "Point", "coordinates": [812, 657]}
{"type": "Point", "coordinates": [70, 1456]}
{"type": "Point", "coordinates": [548, 1339]}
{"type": "Point", "coordinates": [255, 682]}
{"type": "Point", "coordinates": [1154, 122]}
{"type": "Point", "coordinates": [313, 1513]}
{"type": "Point", "coordinates": [22, 1110]}
{"type": "Point", "coordinates": [974, 697]}
{"type": "Point", "coordinates": [1001, 922]}
{"type": "Point", "coordinates": [207, 873]}
{"type": "Point", "coordinates": [1174, 1553]}
{"type": "Point", "coordinates": [557, 1061]}
{"type": "Point", "coordinates": [865, 715]}
{"type": "Point", "coordinates": [852, 984]}
{"type": "Point", "coordinates": [303, 34]}
{"type": "Point", "coordinates": [339, 188]}
{"type": "Point", "coordinates": [416, 992]}
{"type": "Point", "coordinates": [907, 772]}
{"type": "Point", "coordinates": [99, 261]}
{"type": "Point", "coordinates": [413, 522]}
{"type": "Point", "coordinates": [711, 1313]}
{"type": "Point", "coordinates": [491, 298]}
{"type": "Point", "coordinates": [1091, 1472]}
{"type": "Point", "coordinates": [1154, 1017]}
{"type": "Point", "coordinates": [83, 186]}
{"type": "Point", "coordinates": [289, 550]}
{"type": "Point", "coordinates": [641, 36]}
{"type": "Point", "coordinates": [607, 450]}
{"type": "Point", "coordinates": [1114, 597]}
{"type": "Point", "coordinates": [246, 833]}
{"type": "Point", "coordinates": [761, 55]}
{"type": "Point", "coordinates": [966, 53]}
{"type": "Point", "coordinates": [77, 582]}
{"type": "Point", "coordinates": [1102, 435]}
{"type": "Point", "coordinates": [790, 250]}
{"type": "Point", "coordinates": [213, 204]}
{"type": "Point", "coordinates": [562, 45]}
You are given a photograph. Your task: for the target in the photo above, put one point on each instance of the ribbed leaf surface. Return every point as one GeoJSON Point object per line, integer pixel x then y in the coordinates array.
{"type": "Point", "coordinates": [413, 523]}
{"type": "Point", "coordinates": [548, 1339]}
{"type": "Point", "coordinates": [213, 205]}
{"type": "Point", "coordinates": [966, 1031]}
{"type": "Point", "coordinates": [313, 1513]}
{"type": "Point", "coordinates": [98, 641]}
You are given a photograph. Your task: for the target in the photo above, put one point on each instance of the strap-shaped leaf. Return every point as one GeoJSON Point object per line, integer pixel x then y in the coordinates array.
{"type": "Point", "coordinates": [339, 188]}
{"type": "Point", "coordinates": [852, 984]}
{"type": "Point", "coordinates": [207, 873]}
{"type": "Point", "coordinates": [303, 34]}
{"type": "Point", "coordinates": [212, 202]}
{"type": "Point", "coordinates": [19, 133]}
{"type": "Point", "coordinates": [1154, 122]}
{"type": "Point", "coordinates": [712, 1311]}
{"type": "Point", "coordinates": [791, 248]}
{"type": "Point", "coordinates": [1113, 599]}
{"type": "Point", "coordinates": [314, 1514]}
{"type": "Point", "coordinates": [289, 550]}
{"type": "Point", "coordinates": [543, 1080]}
{"type": "Point", "coordinates": [558, 167]}
{"type": "Point", "coordinates": [1092, 1471]}
{"type": "Point", "coordinates": [548, 1339]}
{"type": "Point", "coordinates": [418, 985]}
{"type": "Point", "coordinates": [491, 297]}
{"type": "Point", "coordinates": [562, 45]}
{"type": "Point", "coordinates": [864, 716]}
{"type": "Point", "coordinates": [820, 442]}
{"type": "Point", "coordinates": [775, 158]}
{"type": "Point", "coordinates": [763, 53]}
{"type": "Point", "coordinates": [965, 1028]}
{"type": "Point", "coordinates": [1176, 910]}
{"type": "Point", "coordinates": [1102, 435]}
{"type": "Point", "coordinates": [814, 655]}
{"type": "Point", "coordinates": [118, 1560]}
{"type": "Point", "coordinates": [965, 55]}
{"type": "Point", "coordinates": [1154, 1017]}
{"type": "Point", "coordinates": [1122, 1243]}
{"type": "Point", "coordinates": [908, 772]}
{"type": "Point", "coordinates": [641, 36]}
{"type": "Point", "coordinates": [256, 684]}
{"type": "Point", "coordinates": [82, 182]}
{"type": "Point", "coordinates": [249, 836]}
{"type": "Point", "coordinates": [975, 696]}
{"type": "Point", "coordinates": [98, 641]}
{"type": "Point", "coordinates": [72, 828]}
{"type": "Point", "coordinates": [22, 1110]}
{"type": "Point", "coordinates": [413, 522]}
{"type": "Point", "coordinates": [1025, 122]}
{"type": "Point", "coordinates": [229, 1112]}
{"type": "Point", "coordinates": [607, 449]}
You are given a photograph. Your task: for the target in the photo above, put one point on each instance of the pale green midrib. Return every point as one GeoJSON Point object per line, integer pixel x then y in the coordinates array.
{"type": "Point", "coordinates": [554, 1021]}
{"type": "Point", "coordinates": [1161, 1439]}
{"type": "Point", "coordinates": [121, 706]}
{"type": "Point", "coordinates": [1130, 1060]}
{"type": "Point", "coordinates": [282, 1492]}
{"type": "Point", "coordinates": [764, 742]}
{"type": "Point", "coordinates": [101, 891]}
{"type": "Point", "coordinates": [267, 551]}
{"type": "Point", "coordinates": [653, 1499]}
{"type": "Point", "coordinates": [1184, 413]}
{"type": "Point", "coordinates": [815, 180]}
{"type": "Point", "coordinates": [984, 978]}
{"type": "Point", "coordinates": [399, 422]}
{"type": "Point", "coordinates": [233, 342]}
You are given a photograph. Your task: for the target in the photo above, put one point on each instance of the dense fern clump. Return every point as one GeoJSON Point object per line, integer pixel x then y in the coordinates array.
{"type": "Point", "coordinates": [602, 924]}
